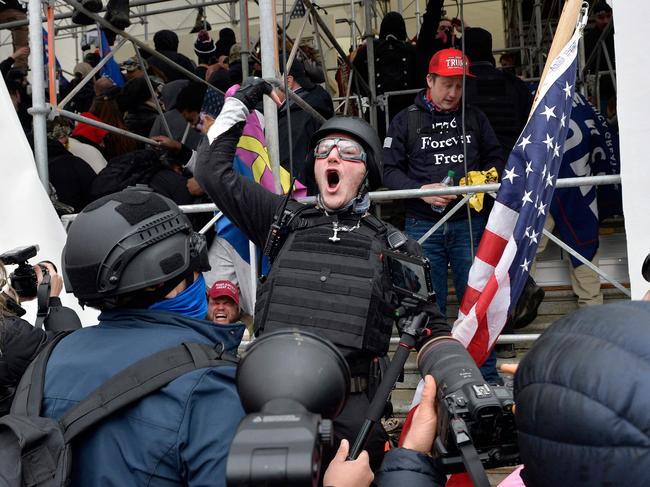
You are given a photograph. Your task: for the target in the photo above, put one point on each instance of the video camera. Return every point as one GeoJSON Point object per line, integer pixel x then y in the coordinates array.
{"type": "Point", "coordinates": [23, 279]}
{"type": "Point", "coordinates": [476, 424]}
{"type": "Point", "coordinates": [291, 384]}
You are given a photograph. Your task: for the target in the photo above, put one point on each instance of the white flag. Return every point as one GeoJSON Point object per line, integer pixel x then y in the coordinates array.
{"type": "Point", "coordinates": [28, 216]}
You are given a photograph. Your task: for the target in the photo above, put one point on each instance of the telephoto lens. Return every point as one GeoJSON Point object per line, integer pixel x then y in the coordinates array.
{"type": "Point", "coordinates": [458, 378]}
{"type": "Point", "coordinates": [469, 410]}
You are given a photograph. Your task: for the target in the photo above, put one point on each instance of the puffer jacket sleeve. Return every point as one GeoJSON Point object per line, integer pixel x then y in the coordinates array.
{"type": "Point", "coordinates": [408, 467]}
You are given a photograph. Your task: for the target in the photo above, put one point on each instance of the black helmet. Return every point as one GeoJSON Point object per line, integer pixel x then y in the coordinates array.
{"type": "Point", "coordinates": [126, 242]}
{"type": "Point", "coordinates": [363, 133]}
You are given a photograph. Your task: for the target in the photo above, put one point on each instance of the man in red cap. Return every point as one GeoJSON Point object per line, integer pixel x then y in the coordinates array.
{"type": "Point", "coordinates": [427, 142]}
{"type": "Point", "coordinates": [223, 303]}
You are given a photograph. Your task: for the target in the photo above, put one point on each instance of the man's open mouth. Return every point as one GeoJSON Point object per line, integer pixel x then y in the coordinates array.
{"type": "Point", "coordinates": [220, 316]}
{"type": "Point", "coordinates": [333, 178]}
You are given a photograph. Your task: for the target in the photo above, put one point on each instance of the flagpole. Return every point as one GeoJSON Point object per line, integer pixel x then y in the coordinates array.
{"type": "Point", "coordinates": [565, 28]}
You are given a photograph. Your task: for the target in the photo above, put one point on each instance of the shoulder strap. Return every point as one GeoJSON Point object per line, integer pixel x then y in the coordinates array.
{"type": "Point", "coordinates": [29, 394]}
{"type": "Point", "coordinates": [140, 379]}
{"type": "Point", "coordinates": [414, 125]}
{"type": "Point", "coordinates": [375, 223]}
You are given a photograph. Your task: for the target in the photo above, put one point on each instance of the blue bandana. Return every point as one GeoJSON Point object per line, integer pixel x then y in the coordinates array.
{"type": "Point", "coordinates": [191, 302]}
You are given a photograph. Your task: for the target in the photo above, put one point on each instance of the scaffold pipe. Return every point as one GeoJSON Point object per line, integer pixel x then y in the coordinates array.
{"type": "Point", "coordinates": [39, 107]}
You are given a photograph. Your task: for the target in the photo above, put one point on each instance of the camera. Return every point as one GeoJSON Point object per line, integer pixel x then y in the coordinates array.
{"type": "Point", "coordinates": [471, 413]}
{"type": "Point", "coordinates": [23, 279]}
{"type": "Point", "coordinates": [410, 275]}
{"type": "Point", "coordinates": [291, 385]}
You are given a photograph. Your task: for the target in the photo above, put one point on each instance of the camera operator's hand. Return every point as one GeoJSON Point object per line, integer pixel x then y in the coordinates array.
{"type": "Point", "coordinates": [252, 91]}
{"type": "Point", "coordinates": [423, 428]}
{"type": "Point", "coordinates": [352, 473]}
{"type": "Point", "coordinates": [509, 368]}
{"type": "Point", "coordinates": [56, 281]}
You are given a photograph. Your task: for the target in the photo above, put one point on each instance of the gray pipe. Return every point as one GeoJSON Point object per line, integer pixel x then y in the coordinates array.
{"type": "Point", "coordinates": [537, 12]}
{"type": "Point", "coordinates": [91, 74]}
{"type": "Point", "coordinates": [39, 108]}
{"type": "Point", "coordinates": [140, 44]}
{"type": "Point", "coordinates": [243, 38]}
{"type": "Point", "coordinates": [105, 126]}
{"type": "Point", "coordinates": [67, 15]}
{"type": "Point", "coordinates": [268, 43]}
{"type": "Point", "coordinates": [369, 37]}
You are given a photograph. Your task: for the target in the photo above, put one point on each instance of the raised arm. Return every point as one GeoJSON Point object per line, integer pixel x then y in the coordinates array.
{"type": "Point", "coordinates": [250, 207]}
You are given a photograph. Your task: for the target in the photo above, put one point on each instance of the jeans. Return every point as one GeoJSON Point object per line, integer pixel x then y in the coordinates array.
{"type": "Point", "coordinates": [450, 245]}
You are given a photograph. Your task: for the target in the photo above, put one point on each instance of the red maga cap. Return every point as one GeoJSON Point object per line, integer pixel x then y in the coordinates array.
{"type": "Point", "coordinates": [449, 62]}
{"type": "Point", "coordinates": [224, 288]}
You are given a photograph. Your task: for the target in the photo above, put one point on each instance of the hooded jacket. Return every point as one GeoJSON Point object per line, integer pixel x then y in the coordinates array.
{"type": "Point", "coordinates": [504, 98]}
{"type": "Point", "coordinates": [166, 43]}
{"type": "Point", "coordinates": [303, 126]}
{"type": "Point", "coordinates": [436, 149]}
{"type": "Point", "coordinates": [177, 436]}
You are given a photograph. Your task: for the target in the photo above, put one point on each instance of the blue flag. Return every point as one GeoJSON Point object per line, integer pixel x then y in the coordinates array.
{"type": "Point", "coordinates": [591, 148]}
{"type": "Point", "coordinates": [111, 69]}
{"type": "Point", "coordinates": [63, 82]}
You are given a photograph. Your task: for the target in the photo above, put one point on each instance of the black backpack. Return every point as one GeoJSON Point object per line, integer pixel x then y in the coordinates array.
{"type": "Point", "coordinates": [137, 167]}
{"type": "Point", "coordinates": [36, 451]}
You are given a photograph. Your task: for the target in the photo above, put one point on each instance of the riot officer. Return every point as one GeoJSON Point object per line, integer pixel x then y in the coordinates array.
{"type": "Point", "coordinates": [327, 271]}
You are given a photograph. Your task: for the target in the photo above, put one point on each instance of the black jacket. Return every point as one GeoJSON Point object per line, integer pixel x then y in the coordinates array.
{"type": "Point", "coordinates": [427, 156]}
{"type": "Point", "coordinates": [20, 342]}
{"type": "Point", "coordinates": [140, 119]}
{"type": "Point", "coordinates": [170, 72]}
{"type": "Point", "coordinates": [428, 43]}
{"type": "Point", "coordinates": [409, 467]}
{"type": "Point", "coordinates": [70, 175]}
{"type": "Point", "coordinates": [303, 126]}
{"type": "Point", "coordinates": [504, 98]}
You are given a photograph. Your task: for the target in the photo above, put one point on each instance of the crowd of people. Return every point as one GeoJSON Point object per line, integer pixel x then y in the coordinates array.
{"type": "Point", "coordinates": [132, 254]}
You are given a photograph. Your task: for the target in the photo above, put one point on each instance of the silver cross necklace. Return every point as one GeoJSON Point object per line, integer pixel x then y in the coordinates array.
{"type": "Point", "coordinates": [336, 228]}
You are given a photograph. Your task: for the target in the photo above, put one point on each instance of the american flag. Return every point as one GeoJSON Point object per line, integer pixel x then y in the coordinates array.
{"type": "Point", "coordinates": [515, 225]}
{"type": "Point", "coordinates": [298, 10]}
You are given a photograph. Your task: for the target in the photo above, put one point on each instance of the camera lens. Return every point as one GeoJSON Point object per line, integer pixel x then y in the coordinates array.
{"type": "Point", "coordinates": [454, 370]}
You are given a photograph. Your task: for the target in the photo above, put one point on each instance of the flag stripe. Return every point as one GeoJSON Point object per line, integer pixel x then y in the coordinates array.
{"type": "Point", "coordinates": [491, 248]}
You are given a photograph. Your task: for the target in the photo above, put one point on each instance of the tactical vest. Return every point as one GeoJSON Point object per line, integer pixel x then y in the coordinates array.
{"type": "Point", "coordinates": [338, 289]}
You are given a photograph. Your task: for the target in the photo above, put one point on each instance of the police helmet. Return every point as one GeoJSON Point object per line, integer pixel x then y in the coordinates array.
{"type": "Point", "coordinates": [130, 242]}
{"type": "Point", "coordinates": [363, 133]}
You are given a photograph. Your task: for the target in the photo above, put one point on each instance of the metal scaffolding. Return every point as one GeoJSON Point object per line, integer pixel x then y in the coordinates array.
{"type": "Point", "coordinates": [531, 45]}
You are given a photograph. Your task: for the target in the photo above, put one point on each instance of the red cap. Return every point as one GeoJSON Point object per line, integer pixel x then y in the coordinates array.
{"type": "Point", "coordinates": [224, 288]}
{"type": "Point", "coordinates": [449, 62]}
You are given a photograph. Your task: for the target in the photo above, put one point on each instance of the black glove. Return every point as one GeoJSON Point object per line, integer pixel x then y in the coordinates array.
{"type": "Point", "coordinates": [251, 92]}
